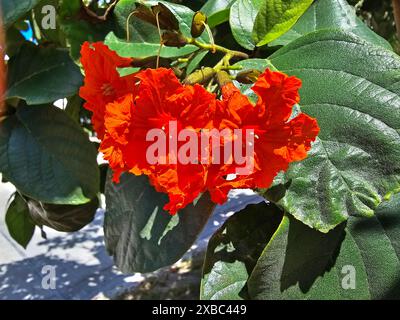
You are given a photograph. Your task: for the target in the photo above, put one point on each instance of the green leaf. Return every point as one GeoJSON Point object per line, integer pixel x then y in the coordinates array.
{"type": "Point", "coordinates": [78, 31]}
{"type": "Point", "coordinates": [241, 19]}
{"type": "Point", "coordinates": [42, 75]}
{"type": "Point", "coordinates": [140, 235]}
{"type": "Point", "coordinates": [194, 62]}
{"type": "Point", "coordinates": [331, 14]}
{"type": "Point", "coordinates": [276, 17]}
{"type": "Point", "coordinates": [73, 108]}
{"type": "Point", "coordinates": [13, 10]}
{"type": "Point", "coordinates": [352, 88]}
{"type": "Point", "coordinates": [145, 49]}
{"type": "Point", "coordinates": [234, 249]}
{"type": "Point", "coordinates": [18, 221]}
{"type": "Point", "coordinates": [359, 260]}
{"type": "Point", "coordinates": [217, 11]}
{"type": "Point", "coordinates": [48, 157]}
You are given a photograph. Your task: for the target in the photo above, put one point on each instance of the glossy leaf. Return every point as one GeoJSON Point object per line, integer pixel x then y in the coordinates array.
{"type": "Point", "coordinates": [42, 75]}
{"type": "Point", "coordinates": [276, 17]}
{"type": "Point", "coordinates": [217, 11]}
{"type": "Point", "coordinates": [331, 14]}
{"type": "Point", "coordinates": [19, 224]}
{"type": "Point", "coordinates": [145, 49]}
{"type": "Point", "coordinates": [241, 19]}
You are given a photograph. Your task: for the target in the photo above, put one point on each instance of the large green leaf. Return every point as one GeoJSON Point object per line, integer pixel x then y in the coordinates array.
{"type": "Point", "coordinates": [331, 14]}
{"type": "Point", "coordinates": [234, 249]}
{"type": "Point", "coordinates": [276, 17]}
{"type": "Point", "coordinates": [19, 224]}
{"type": "Point", "coordinates": [145, 49]}
{"type": "Point", "coordinates": [140, 235]}
{"type": "Point", "coordinates": [217, 11]}
{"type": "Point", "coordinates": [359, 260]}
{"type": "Point", "coordinates": [48, 157]}
{"type": "Point", "coordinates": [42, 75]}
{"type": "Point", "coordinates": [241, 19]}
{"type": "Point", "coordinates": [13, 10]}
{"type": "Point", "coordinates": [352, 88]}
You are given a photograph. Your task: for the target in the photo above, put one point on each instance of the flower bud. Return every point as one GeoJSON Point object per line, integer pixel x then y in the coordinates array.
{"type": "Point", "coordinates": [248, 76]}
{"type": "Point", "coordinates": [223, 78]}
{"type": "Point", "coordinates": [200, 76]}
{"type": "Point", "coordinates": [198, 24]}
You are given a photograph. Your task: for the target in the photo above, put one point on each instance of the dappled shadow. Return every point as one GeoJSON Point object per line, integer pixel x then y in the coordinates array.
{"type": "Point", "coordinates": [238, 200]}
{"type": "Point", "coordinates": [82, 268]}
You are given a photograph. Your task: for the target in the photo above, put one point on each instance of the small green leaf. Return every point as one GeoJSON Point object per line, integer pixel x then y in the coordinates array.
{"type": "Point", "coordinates": [42, 75]}
{"type": "Point", "coordinates": [48, 157]}
{"type": "Point", "coordinates": [18, 221]}
{"type": "Point", "coordinates": [241, 19]}
{"type": "Point", "coordinates": [276, 17]}
{"type": "Point", "coordinates": [359, 260]}
{"type": "Point", "coordinates": [234, 249]}
{"type": "Point", "coordinates": [145, 49]}
{"type": "Point", "coordinates": [331, 14]}
{"type": "Point", "coordinates": [194, 62]}
{"type": "Point", "coordinates": [140, 235]}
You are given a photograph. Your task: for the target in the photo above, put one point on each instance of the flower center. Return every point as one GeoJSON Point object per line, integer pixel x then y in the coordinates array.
{"type": "Point", "coordinates": [107, 89]}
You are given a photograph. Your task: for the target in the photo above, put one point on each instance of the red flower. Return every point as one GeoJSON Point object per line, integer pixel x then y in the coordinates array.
{"type": "Point", "coordinates": [160, 99]}
{"type": "Point", "coordinates": [278, 140]}
{"type": "Point", "coordinates": [103, 83]}
{"type": "Point", "coordinates": [126, 109]}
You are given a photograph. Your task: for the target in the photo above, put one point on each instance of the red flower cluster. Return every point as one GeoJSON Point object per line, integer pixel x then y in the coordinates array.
{"type": "Point", "coordinates": [126, 108]}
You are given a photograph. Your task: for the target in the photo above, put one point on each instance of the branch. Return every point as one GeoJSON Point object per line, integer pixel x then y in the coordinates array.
{"type": "Point", "coordinates": [396, 13]}
{"type": "Point", "coordinates": [93, 15]}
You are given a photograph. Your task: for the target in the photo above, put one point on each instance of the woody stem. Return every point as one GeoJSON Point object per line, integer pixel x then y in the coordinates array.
{"type": "Point", "coordinates": [396, 13]}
